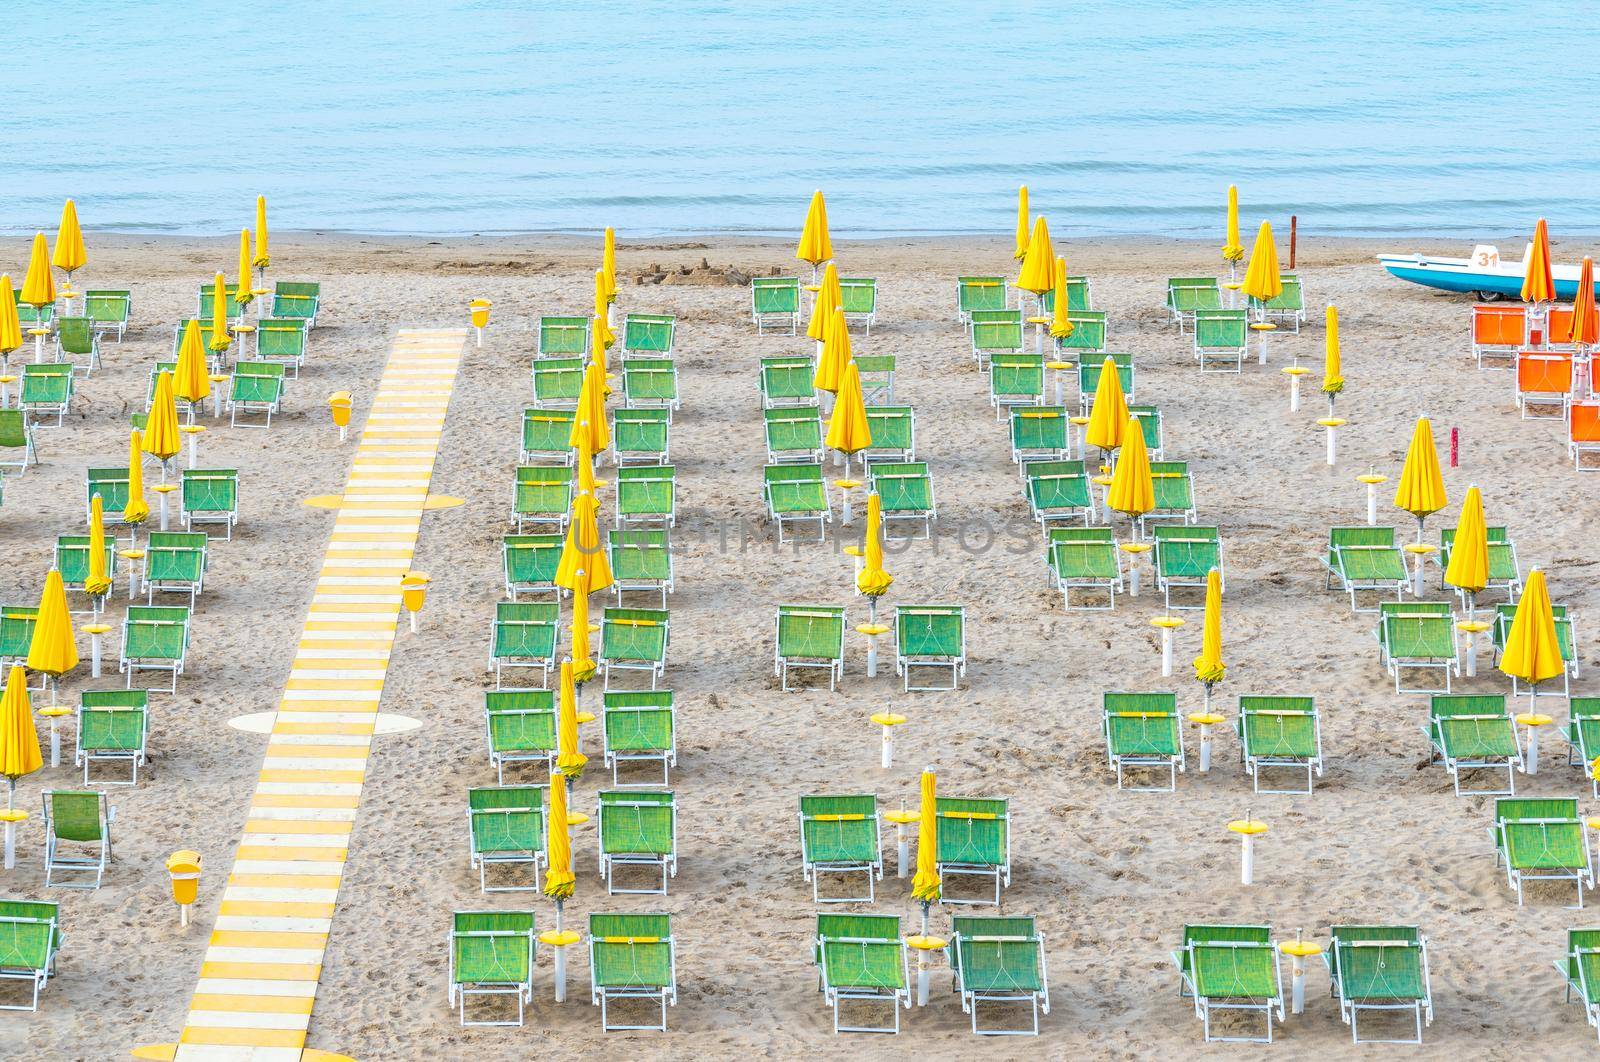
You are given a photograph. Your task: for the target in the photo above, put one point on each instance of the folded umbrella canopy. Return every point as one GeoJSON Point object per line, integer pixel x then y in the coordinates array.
{"type": "Point", "coordinates": [1132, 489]}
{"type": "Point", "coordinates": [604, 337]}
{"type": "Point", "coordinates": [829, 298]}
{"type": "Point", "coordinates": [1060, 323]}
{"type": "Point", "coordinates": [1332, 371]}
{"type": "Point", "coordinates": [1585, 328]}
{"type": "Point", "coordinates": [10, 323]}
{"type": "Point", "coordinates": [589, 424]}
{"type": "Point", "coordinates": [583, 665]}
{"type": "Point", "coordinates": [53, 650]}
{"type": "Point", "coordinates": [559, 879]}
{"type": "Point", "coordinates": [1022, 224]}
{"type": "Point", "coordinates": [583, 567]}
{"type": "Point", "coordinates": [1109, 417]}
{"type": "Point", "coordinates": [220, 340]}
{"type": "Point", "coordinates": [1538, 284]}
{"type": "Point", "coordinates": [1532, 651]}
{"type": "Point", "coordinates": [1421, 488]}
{"type": "Point", "coordinates": [848, 430]}
{"type": "Point", "coordinates": [1232, 249]}
{"type": "Point", "coordinates": [584, 460]}
{"type": "Point", "coordinates": [1468, 569]}
{"type": "Point", "coordinates": [19, 739]}
{"type": "Point", "coordinates": [1262, 280]}
{"type": "Point", "coordinates": [39, 287]}
{"type": "Point", "coordinates": [70, 253]}
{"type": "Point", "coordinates": [1208, 666]}
{"type": "Point", "coordinates": [925, 886]}
{"type": "Point", "coordinates": [192, 383]}
{"type": "Point", "coordinates": [137, 509]}
{"type": "Point", "coordinates": [815, 246]}
{"type": "Point", "coordinates": [873, 580]}
{"type": "Point", "coordinates": [569, 761]}
{"type": "Point", "coordinates": [1038, 272]}
{"type": "Point", "coordinates": [608, 263]}
{"type": "Point", "coordinates": [835, 355]}
{"type": "Point", "coordinates": [98, 581]}
{"type": "Point", "coordinates": [246, 290]}
{"type": "Point", "coordinates": [262, 257]}
{"type": "Point", "coordinates": [161, 439]}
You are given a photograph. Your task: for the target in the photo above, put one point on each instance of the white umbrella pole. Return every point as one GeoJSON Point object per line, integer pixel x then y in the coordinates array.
{"type": "Point", "coordinates": [922, 964]}
{"type": "Point", "coordinates": [561, 962]}
{"type": "Point", "coordinates": [1166, 652]}
{"type": "Point", "coordinates": [11, 827]}
{"type": "Point", "coordinates": [903, 848]}
{"type": "Point", "coordinates": [1372, 504]}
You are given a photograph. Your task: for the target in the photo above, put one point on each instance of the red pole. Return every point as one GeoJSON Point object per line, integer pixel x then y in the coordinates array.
{"type": "Point", "coordinates": [1294, 231]}
{"type": "Point", "coordinates": [1455, 447]}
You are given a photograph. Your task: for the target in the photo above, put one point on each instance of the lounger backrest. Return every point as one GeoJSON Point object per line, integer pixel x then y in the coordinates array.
{"type": "Point", "coordinates": [1290, 298]}
{"type": "Point", "coordinates": [1088, 331]}
{"type": "Point", "coordinates": [76, 815]}
{"type": "Point", "coordinates": [973, 831]}
{"type": "Point", "coordinates": [993, 961]}
{"type": "Point", "coordinates": [557, 379]}
{"type": "Point", "coordinates": [1089, 371]}
{"type": "Point", "coordinates": [648, 491]}
{"type": "Point", "coordinates": [1187, 294]}
{"type": "Point", "coordinates": [775, 295]}
{"type": "Point", "coordinates": [563, 335]}
{"type": "Point", "coordinates": [650, 379]}
{"type": "Point", "coordinates": [520, 720]}
{"type": "Point", "coordinates": [858, 294]}
{"type": "Point", "coordinates": [639, 721]}
{"type": "Point", "coordinates": [492, 948]}
{"type": "Point", "coordinates": [794, 429]}
{"type": "Point", "coordinates": [1358, 538]}
{"type": "Point", "coordinates": [1279, 726]}
{"type": "Point", "coordinates": [525, 629]}
{"type": "Point", "coordinates": [795, 488]}
{"type": "Point", "coordinates": [1077, 296]}
{"type": "Point", "coordinates": [1141, 724]}
{"type": "Point", "coordinates": [210, 490]}
{"type": "Point", "coordinates": [1171, 486]}
{"type": "Point", "coordinates": [931, 630]}
{"type": "Point", "coordinates": [810, 632]}
{"type": "Point", "coordinates": [29, 314]}
{"type": "Point", "coordinates": [1583, 421]}
{"type": "Point", "coordinates": [1378, 963]}
{"type": "Point", "coordinates": [640, 430]}
{"type": "Point", "coordinates": [1505, 615]}
{"type": "Point", "coordinates": [635, 822]}
{"type": "Point", "coordinates": [1583, 725]}
{"type": "Point", "coordinates": [16, 630]}
{"type": "Point", "coordinates": [33, 910]}
{"type": "Point", "coordinates": [48, 384]}
{"type": "Point", "coordinates": [1582, 961]}
{"type": "Point", "coordinates": [638, 634]}
{"type": "Point", "coordinates": [1016, 374]}
{"type": "Point", "coordinates": [1545, 844]}
{"type": "Point", "coordinates": [230, 299]}
{"type": "Point", "coordinates": [296, 298]}
{"type": "Point", "coordinates": [543, 490]}
{"type": "Point", "coordinates": [72, 558]}
{"type": "Point", "coordinates": [903, 486]}
{"type": "Point", "coordinates": [531, 558]}
{"type": "Point", "coordinates": [27, 944]}
{"type": "Point", "coordinates": [13, 429]}
{"type": "Point", "coordinates": [1186, 552]}
{"type": "Point", "coordinates": [155, 632]}
{"type": "Point", "coordinates": [281, 337]}
{"type": "Point", "coordinates": [996, 335]}
{"type": "Point", "coordinates": [507, 818]}
{"type": "Point", "coordinates": [75, 334]}
{"type": "Point", "coordinates": [112, 729]}
{"type": "Point", "coordinates": [639, 554]}
{"type": "Point", "coordinates": [980, 293]}
{"type": "Point", "coordinates": [1500, 326]}
{"type": "Point", "coordinates": [648, 332]}
{"type": "Point", "coordinates": [547, 430]}
{"type": "Point", "coordinates": [1220, 329]}
{"type": "Point", "coordinates": [1039, 427]}
{"type": "Point", "coordinates": [108, 307]}
{"type": "Point", "coordinates": [631, 951]}
{"type": "Point", "coordinates": [839, 829]}
{"type": "Point", "coordinates": [1542, 373]}
{"type": "Point", "coordinates": [1057, 484]}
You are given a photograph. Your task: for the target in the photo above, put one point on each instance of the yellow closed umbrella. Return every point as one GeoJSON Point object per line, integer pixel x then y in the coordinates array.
{"type": "Point", "coordinates": [569, 761]}
{"type": "Point", "coordinates": [10, 323]}
{"type": "Point", "coordinates": [1262, 280]}
{"type": "Point", "coordinates": [262, 257]}
{"type": "Point", "coordinates": [39, 287]}
{"type": "Point", "coordinates": [1038, 272]}
{"type": "Point", "coordinates": [604, 337]}
{"type": "Point", "coordinates": [1421, 488]}
{"type": "Point", "coordinates": [873, 580]}
{"type": "Point", "coordinates": [246, 289]}
{"type": "Point", "coordinates": [829, 298]}
{"type": "Point", "coordinates": [53, 650]}
{"type": "Point", "coordinates": [589, 425]}
{"type": "Point", "coordinates": [848, 430]}
{"type": "Point", "coordinates": [1021, 251]}
{"type": "Point", "coordinates": [220, 340]}
{"type": "Point", "coordinates": [1208, 666]}
{"type": "Point", "coordinates": [192, 383]}
{"type": "Point", "coordinates": [19, 739]}
{"type": "Point", "coordinates": [585, 469]}
{"type": "Point", "coordinates": [1468, 570]}
{"type": "Point", "coordinates": [599, 332]}
{"type": "Point", "coordinates": [559, 880]}
{"type": "Point", "coordinates": [1585, 328]}
{"type": "Point", "coordinates": [1332, 371]}
{"type": "Point", "coordinates": [1538, 283]}
{"type": "Point", "coordinates": [161, 439]}
{"type": "Point", "coordinates": [1532, 651]}
{"type": "Point", "coordinates": [1232, 249]}
{"type": "Point", "coordinates": [815, 245]}
{"type": "Point", "coordinates": [583, 567]}
{"type": "Point", "coordinates": [1132, 490]}
{"type": "Point", "coordinates": [835, 355]}
{"type": "Point", "coordinates": [70, 253]}
{"type": "Point", "coordinates": [583, 665]}
{"type": "Point", "coordinates": [98, 581]}
{"type": "Point", "coordinates": [925, 886]}
{"type": "Point", "coordinates": [137, 510]}
{"type": "Point", "coordinates": [608, 263]}
{"type": "Point", "coordinates": [1109, 416]}
{"type": "Point", "coordinates": [1060, 323]}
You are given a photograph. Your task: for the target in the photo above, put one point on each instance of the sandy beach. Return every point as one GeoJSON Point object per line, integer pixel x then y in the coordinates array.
{"type": "Point", "coordinates": [1112, 876]}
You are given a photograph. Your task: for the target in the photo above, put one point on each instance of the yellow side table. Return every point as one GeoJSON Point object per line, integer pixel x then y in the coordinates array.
{"type": "Point", "coordinates": [38, 335]}
{"type": "Point", "coordinates": [1248, 830]}
{"type": "Point", "coordinates": [1059, 367]}
{"type": "Point", "coordinates": [872, 631]}
{"type": "Point", "coordinates": [193, 431]}
{"type": "Point", "coordinates": [5, 390]}
{"type": "Point", "coordinates": [1168, 625]}
{"type": "Point", "coordinates": [1082, 424]}
{"type": "Point", "coordinates": [888, 721]}
{"type": "Point", "coordinates": [1420, 551]}
{"type": "Point", "coordinates": [132, 556]}
{"type": "Point", "coordinates": [1299, 950]}
{"type": "Point", "coordinates": [1039, 325]}
{"type": "Point", "coordinates": [1294, 372]}
{"type": "Point", "coordinates": [1205, 721]}
{"type": "Point", "coordinates": [1262, 329]}
{"type": "Point", "coordinates": [54, 713]}
{"type": "Point", "coordinates": [560, 939]}
{"type": "Point", "coordinates": [219, 382]}
{"type": "Point", "coordinates": [901, 820]}
{"type": "Point", "coordinates": [1133, 550]}
{"type": "Point", "coordinates": [95, 631]}
{"type": "Point", "coordinates": [1373, 480]}
{"type": "Point", "coordinates": [924, 945]}
{"type": "Point", "coordinates": [12, 816]}
{"type": "Point", "coordinates": [243, 332]}
{"type": "Point", "coordinates": [846, 486]}
{"type": "Point", "coordinates": [1534, 722]}
{"type": "Point", "coordinates": [1472, 628]}
{"type": "Point", "coordinates": [1333, 424]}
{"type": "Point", "coordinates": [162, 490]}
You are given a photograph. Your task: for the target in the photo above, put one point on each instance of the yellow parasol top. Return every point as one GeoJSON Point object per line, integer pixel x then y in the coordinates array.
{"type": "Point", "coordinates": [835, 355]}
{"type": "Point", "coordinates": [608, 263]}
{"type": "Point", "coordinates": [38, 287]}
{"type": "Point", "coordinates": [220, 340]}
{"type": "Point", "coordinates": [1232, 249]}
{"type": "Point", "coordinates": [262, 257]}
{"type": "Point", "coordinates": [246, 289]}
{"type": "Point", "coordinates": [604, 336]}
{"type": "Point", "coordinates": [1060, 323]}
{"type": "Point", "coordinates": [53, 649]}
{"type": "Point", "coordinates": [161, 439]}
{"type": "Point", "coordinates": [1469, 554]}
{"type": "Point", "coordinates": [873, 580]}
{"type": "Point", "coordinates": [815, 246]}
{"type": "Point", "coordinates": [584, 567]}
{"type": "Point", "coordinates": [848, 430]}
{"type": "Point", "coordinates": [1532, 652]}
{"type": "Point", "coordinates": [10, 323]}
{"type": "Point", "coordinates": [1332, 371]}
{"type": "Point", "coordinates": [98, 581]}
{"type": "Point", "coordinates": [1585, 329]}
{"type": "Point", "coordinates": [1421, 489]}
{"type": "Point", "coordinates": [559, 879]}
{"type": "Point", "coordinates": [1208, 666]}
{"type": "Point", "coordinates": [1110, 413]}
{"type": "Point", "coordinates": [192, 384]}
{"type": "Point", "coordinates": [925, 886]}
{"type": "Point", "coordinates": [590, 423]}
{"type": "Point", "coordinates": [1262, 280]}
{"type": "Point", "coordinates": [1038, 272]}
{"type": "Point", "coordinates": [19, 740]}
{"type": "Point", "coordinates": [1132, 489]}
{"type": "Point", "coordinates": [829, 298]}
{"type": "Point", "coordinates": [1538, 285]}
{"type": "Point", "coordinates": [137, 510]}
{"type": "Point", "coordinates": [70, 252]}
{"type": "Point", "coordinates": [569, 761]}
{"type": "Point", "coordinates": [1021, 251]}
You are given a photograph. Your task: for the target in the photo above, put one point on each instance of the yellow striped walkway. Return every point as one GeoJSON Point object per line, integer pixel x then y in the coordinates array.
{"type": "Point", "coordinates": [259, 977]}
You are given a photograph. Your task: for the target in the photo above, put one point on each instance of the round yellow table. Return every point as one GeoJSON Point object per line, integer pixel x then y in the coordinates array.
{"type": "Point", "coordinates": [888, 721]}
{"type": "Point", "coordinates": [1205, 721]}
{"type": "Point", "coordinates": [1299, 951]}
{"type": "Point", "coordinates": [1333, 424]}
{"type": "Point", "coordinates": [561, 940]}
{"type": "Point", "coordinates": [1262, 329]}
{"type": "Point", "coordinates": [1420, 551]}
{"type": "Point", "coordinates": [164, 489]}
{"type": "Point", "coordinates": [924, 945]}
{"type": "Point", "coordinates": [901, 820]}
{"type": "Point", "coordinates": [1373, 480]}
{"type": "Point", "coordinates": [1133, 550]}
{"type": "Point", "coordinates": [5, 390]}
{"type": "Point", "coordinates": [193, 431]}
{"type": "Point", "coordinates": [95, 631]}
{"type": "Point", "coordinates": [1534, 722]}
{"type": "Point", "coordinates": [872, 631]}
{"type": "Point", "coordinates": [1294, 372]}
{"type": "Point", "coordinates": [846, 486]}
{"type": "Point", "coordinates": [1248, 830]}
{"type": "Point", "coordinates": [1168, 626]}
{"type": "Point", "coordinates": [1472, 628]}
{"type": "Point", "coordinates": [11, 818]}
{"type": "Point", "coordinates": [132, 555]}
{"type": "Point", "coordinates": [1059, 367]}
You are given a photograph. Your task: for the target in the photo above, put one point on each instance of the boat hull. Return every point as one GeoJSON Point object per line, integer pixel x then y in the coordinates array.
{"type": "Point", "coordinates": [1459, 275]}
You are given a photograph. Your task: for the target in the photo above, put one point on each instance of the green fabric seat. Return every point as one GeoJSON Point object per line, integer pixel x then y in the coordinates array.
{"type": "Point", "coordinates": [174, 562]}
{"type": "Point", "coordinates": [1280, 732]}
{"type": "Point", "coordinates": [1089, 370]}
{"type": "Point", "coordinates": [632, 957]}
{"type": "Point", "coordinates": [282, 341]}
{"type": "Point", "coordinates": [17, 448]}
{"type": "Point", "coordinates": [520, 726]}
{"type": "Point", "coordinates": [640, 436]}
{"type": "Point", "coordinates": [113, 726]}
{"type": "Point", "coordinates": [1232, 968]}
{"type": "Point", "coordinates": [633, 639]}
{"type": "Point", "coordinates": [109, 309]}
{"type": "Point", "coordinates": [787, 381]}
{"type": "Point", "coordinates": [638, 829]}
{"type": "Point", "coordinates": [861, 962]}
{"type": "Point", "coordinates": [1583, 735]}
{"type": "Point", "coordinates": [32, 316]}
{"type": "Point", "coordinates": [491, 954]}
{"type": "Point", "coordinates": [112, 486]}
{"type": "Point", "coordinates": [16, 633]}
{"type": "Point", "coordinates": [794, 433]}
{"type": "Point", "coordinates": [1379, 968]}
{"type": "Point", "coordinates": [1419, 637]}
{"type": "Point", "coordinates": [1040, 433]}
{"type": "Point", "coordinates": [1470, 732]}
{"type": "Point", "coordinates": [30, 939]}
{"type": "Point", "coordinates": [1547, 850]}
{"type": "Point", "coordinates": [1173, 489]}
{"type": "Point", "coordinates": [893, 434]}
{"type": "Point", "coordinates": [979, 293]}
{"type": "Point", "coordinates": [775, 303]}
{"type": "Point", "coordinates": [1187, 295]}
{"type": "Point", "coordinates": [1287, 309]}
{"type": "Point", "coordinates": [524, 636]}
{"type": "Point", "coordinates": [648, 333]}
{"type": "Point", "coordinates": [641, 561]}
{"type": "Point", "coordinates": [841, 835]}
{"type": "Point", "coordinates": [1579, 968]}
{"type": "Point", "coordinates": [1088, 335]}
{"type": "Point", "coordinates": [530, 563]}
{"type": "Point", "coordinates": [47, 390]}
{"type": "Point", "coordinates": [998, 960]}
{"type": "Point", "coordinates": [650, 383]}
{"type": "Point", "coordinates": [232, 307]}
{"type": "Point", "coordinates": [639, 726]}
{"type": "Point", "coordinates": [1365, 559]}
{"type": "Point", "coordinates": [1143, 732]}
{"type": "Point", "coordinates": [1184, 556]}
{"type": "Point", "coordinates": [1505, 573]}
{"type": "Point", "coordinates": [210, 496]}
{"type": "Point", "coordinates": [995, 332]}
{"type": "Point", "coordinates": [155, 638]}
{"type": "Point", "coordinates": [72, 560]}
{"type": "Point", "coordinates": [876, 372]}
{"type": "Point", "coordinates": [1015, 379]}
{"type": "Point", "coordinates": [564, 337]}
{"type": "Point", "coordinates": [974, 840]}
{"type": "Point", "coordinates": [809, 638]}
{"type": "Point", "coordinates": [546, 435]}
{"type": "Point", "coordinates": [77, 838]}
{"type": "Point", "coordinates": [647, 496]}
{"type": "Point", "coordinates": [557, 382]}
{"type": "Point", "coordinates": [1219, 340]}
{"type": "Point", "coordinates": [256, 387]}
{"type": "Point", "coordinates": [542, 496]}
{"type": "Point", "coordinates": [1057, 491]}
{"type": "Point", "coordinates": [507, 828]}
{"type": "Point", "coordinates": [1080, 296]}
{"type": "Point", "coordinates": [297, 299]}
{"type": "Point", "coordinates": [1505, 615]}
{"type": "Point", "coordinates": [1150, 424]}
{"type": "Point", "coordinates": [796, 494]}
{"type": "Point", "coordinates": [905, 495]}
{"type": "Point", "coordinates": [930, 638]}
{"type": "Point", "coordinates": [1085, 559]}
{"type": "Point", "coordinates": [78, 338]}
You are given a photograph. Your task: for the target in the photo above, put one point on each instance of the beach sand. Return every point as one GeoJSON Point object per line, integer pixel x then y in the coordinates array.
{"type": "Point", "coordinates": [1111, 876]}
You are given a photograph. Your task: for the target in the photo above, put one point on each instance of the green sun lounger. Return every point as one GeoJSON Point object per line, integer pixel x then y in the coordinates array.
{"type": "Point", "coordinates": [775, 304]}
{"type": "Point", "coordinates": [232, 307]}
{"type": "Point", "coordinates": [974, 840]}
{"type": "Point", "coordinates": [47, 390]}
{"type": "Point", "coordinates": [1088, 338]}
{"type": "Point", "coordinates": [564, 337]}
{"type": "Point", "coordinates": [17, 446]}
{"type": "Point", "coordinates": [1280, 732]}
{"type": "Point", "coordinates": [16, 633]}
{"type": "Point", "coordinates": [545, 436]}
{"type": "Point", "coordinates": [650, 383]}
{"type": "Point", "coordinates": [78, 344]}
{"type": "Point", "coordinates": [155, 638]}
{"type": "Point", "coordinates": [979, 293]}
{"type": "Point", "coordinates": [1085, 559]}
{"type": "Point", "coordinates": [862, 965]}
{"type": "Point", "coordinates": [632, 957]}
{"type": "Point", "coordinates": [1057, 491]}
{"type": "Point", "coordinates": [1533, 809]}
{"type": "Point", "coordinates": [841, 835]}
{"type": "Point", "coordinates": [641, 562]}
{"type": "Point", "coordinates": [1143, 733]}
{"type": "Point", "coordinates": [1231, 968]}
{"type": "Point", "coordinates": [1219, 340]}
{"type": "Point", "coordinates": [995, 332]}
{"type": "Point", "coordinates": [1188, 295]}
{"type": "Point", "coordinates": [1505, 574]}
{"type": "Point", "coordinates": [542, 496]}
{"type": "Point", "coordinates": [32, 316]}
{"type": "Point", "coordinates": [787, 381]}
{"type": "Point", "coordinates": [491, 954]}
{"type": "Point", "coordinates": [1015, 380]}
{"type": "Point", "coordinates": [209, 496]}
{"type": "Point", "coordinates": [1546, 849]}
{"type": "Point", "coordinates": [894, 436]}
{"type": "Point", "coordinates": [858, 298]}
{"type": "Point", "coordinates": [1287, 309]}
{"type": "Point", "coordinates": [639, 726]}
{"type": "Point", "coordinates": [214, 358]}
{"type": "Point", "coordinates": [905, 494]}
{"type": "Point", "coordinates": [930, 638]}
{"type": "Point", "coordinates": [876, 372]}
{"type": "Point", "coordinates": [174, 563]}
{"type": "Point", "coordinates": [1040, 433]}
{"type": "Point", "coordinates": [30, 940]}
{"type": "Point", "coordinates": [650, 334]}
{"type": "Point", "coordinates": [997, 960]}
{"type": "Point", "coordinates": [1474, 732]}
{"type": "Point", "coordinates": [1089, 370]}
{"type": "Point", "coordinates": [557, 383]}
{"type": "Point", "coordinates": [1365, 559]}
{"type": "Point", "coordinates": [794, 434]}
{"type": "Point", "coordinates": [634, 639]}
{"type": "Point", "coordinates": [506, 828]}
{"type": "Point", "coordinates": [530, 563]}
{"type": "Point", "coordinates": [1579, 968]}
{"type": "Point", "coordinates": [1080, 296]}
{"type": "Point", "coordinates": [520, 726]}
{"type": "Point", "coordinates": [1583, 736]}
{"type": "Point", "coordinates": [638, 829]}
{"type": "Point", "coordinates": [640, 437]}
{"type": "Point", "coordinates": [113, 726]}
{"type": "Point", "coordinates": [524, 636]}
{"type": "Point", "coordinates": [796, 494]}
{"type": "Point", "coordinates": [647, 496]}
{"type": "Point", "coordinates": [1150, 423]}
{"type": "Point", "coordinates": [109, 309]}
{"type": "Point", "coordinates": [809, 638]}
{"type": "Point", "coordinates": [77, 838]}
{"type": "Point", "coordinates": [1419, 637]}
{"type": "Point", "coordinates": [153, 377]}
{"type": "Point", "coordinates": [1184, 556]}
{"type": "Point", "coordinates": [1566, 639]}
{"type": "Point", "coordinates": [256, 387]}
{"type": "Point", "coordinates": [297, 299]}
{"type": "Point", "coordinates": [282, 341]}
{"type": "Point", "coordinates": [72, 561]}
{"type": "Point", "coordinates": [1380, 968]}
{"type": "Point", "coordinates": [1173, 490]}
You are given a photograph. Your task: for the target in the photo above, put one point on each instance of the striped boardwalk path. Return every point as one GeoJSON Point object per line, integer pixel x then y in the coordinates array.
{"type": "Point", "coordinates": [259, 977]}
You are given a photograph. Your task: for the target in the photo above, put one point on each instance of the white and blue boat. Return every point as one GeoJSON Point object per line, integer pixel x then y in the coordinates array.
{"type": "Point", "coordinates": [1483, 274]}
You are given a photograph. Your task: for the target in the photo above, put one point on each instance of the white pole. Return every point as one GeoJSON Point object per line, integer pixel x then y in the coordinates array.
{"type": "Point", "coordinates": [1299, 983]}
{"type": "Point", "coordinates": [1333, 446]}
{"type": "Point", "coordinates": [94, 655]}
{"type": "Point", "coordinates": [558, 950]}
{"type": "Point", "coordinates": [55, 742]}
{"type": "Point", "coordinates": [1472, 654]}
{"type": "Point", "coordinates": [872, 671]}
{"type": "Point", "coordinates": [1247, 861]}
{"type": "Point", "coordinates": [11, 844]}
{"type": "Point", "coordinates": [888, 733]}
{"type": "Point", "coordinates": [1166, 652]}
{"type": "Point", "coordinates": [922, 978]}
{"type": "Point", "coordinates": [1205, 757]}
{"type": "Point", "coordinates": [1133, 575]}
{"type": "Point", "coordinates": [163, 495]}
{"type": "Point", "coordinates": [904, 846]}
{"type": "Point", "coordinates": [1533, 750]}
{"type": "Point", "coordinates": [1294, 393]}
{"type": "Point", "coordinates": [194, 439]}
{"type": "Point", "coordinates": [1416, 578]}
{"type": "Point", "coordinates": [413, 622]}
{"type": "Point", "coordinates": [1372, 504]}
{"type": "Point", "coordinates": [561, 953]}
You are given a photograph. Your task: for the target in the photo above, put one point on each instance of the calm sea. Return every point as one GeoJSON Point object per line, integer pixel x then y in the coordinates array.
{"type": "Point", "coordinates": [1452, 117]}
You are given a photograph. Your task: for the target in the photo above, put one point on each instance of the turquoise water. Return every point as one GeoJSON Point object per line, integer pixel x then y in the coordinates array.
{"type": "Point", "coordinates": [1125, 116]}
